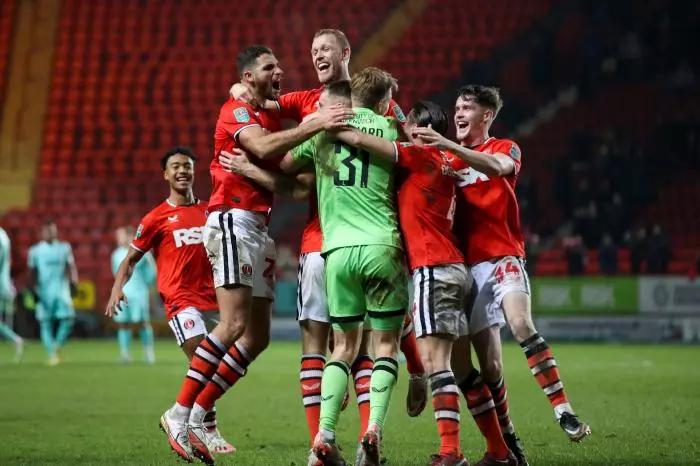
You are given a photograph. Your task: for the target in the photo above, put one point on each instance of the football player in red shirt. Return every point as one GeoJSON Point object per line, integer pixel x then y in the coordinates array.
{"type": "Point", "coordinates": [240, 251]}
{"type": "Point", "coordinates": [173, 231]}
{"type": "Point", "coordinates": [330, 54]}
{"type": "Point", "coordinates": [493, 248]}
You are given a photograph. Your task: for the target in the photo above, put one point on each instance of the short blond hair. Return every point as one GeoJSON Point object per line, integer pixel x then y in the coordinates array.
{"type": "Point", "coordinates": [338, 34]}
{"type": "Point", "coordinates": [372, 85]}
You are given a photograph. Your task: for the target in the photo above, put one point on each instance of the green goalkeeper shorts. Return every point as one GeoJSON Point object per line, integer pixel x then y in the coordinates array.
{"type": "Point", "coordinates": [370, 280]}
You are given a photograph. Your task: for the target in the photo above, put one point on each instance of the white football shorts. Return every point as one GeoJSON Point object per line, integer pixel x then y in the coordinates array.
{"type": "Point", "coordinates": [311, 288]}
{"type": "Point", "coordinates": [191, 322]}
{"type": "Point", "coordinates": [493, 281]}
{"type": "Point", "coordinates": [240, 251]}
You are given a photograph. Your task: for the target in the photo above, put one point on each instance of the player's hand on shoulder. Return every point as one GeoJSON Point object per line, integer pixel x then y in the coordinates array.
{"type": "Point", "coordinates": [236, 161]}
{"type": "Point", "coordinates": [332, 118]}
{"type": "Point", "coordinates": [431, 137]}
{"type": "Point", "coordinates": [240, 91]}
{"type": "Point", "coordinates": [114, 303]}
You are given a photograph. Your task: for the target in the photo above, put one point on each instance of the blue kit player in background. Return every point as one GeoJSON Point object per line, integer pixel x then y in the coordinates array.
{"type": "Point", "coordinates": [54, 279]}
{"type": "Point", "coordinates": [7, 297]}
{"type": "Point", "coordinates": [136, 309]}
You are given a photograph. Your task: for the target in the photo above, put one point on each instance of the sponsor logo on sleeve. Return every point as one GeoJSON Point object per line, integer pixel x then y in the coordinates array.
{"type": "Point", "coordinates": [139, 231]}
{"type": "Point", "coordinates": [515, 152]}
{"type": "Point", "coordinates": [399, 113]}
{"type": "Point", "coordinates": [241, 115]}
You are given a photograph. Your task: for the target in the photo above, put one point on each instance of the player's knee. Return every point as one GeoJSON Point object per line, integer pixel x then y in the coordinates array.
{"type": "Point", "coordinates": [344, 354]}
{"type": "Point", "coordinates": [522, 327]}
{"type": "Point", "coordinates": [492, 370]}
{"type": "Point", "coordinates": [258, 344]}
{"type": "Point", "coordinates": [232, 329]}
{"type": "Point", "coordinates": [427, 360]}
{"type": "Point", "coordinates": [345, 349]}
{"type": "Point", "coordinates": [386, 349]}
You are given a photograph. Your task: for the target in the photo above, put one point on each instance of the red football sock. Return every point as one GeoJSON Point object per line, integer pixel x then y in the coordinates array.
{"type": "Point", "coordinates": [481, 407]}
{"type": "Point", "coordinates": [233, 366]}
{"type": "Point", "coordinates": [409, 348]}
{"type": "Point", "coordinates": [310, 376]}
{"type": "Point", "coordinates": [206, 359]}
{"type": "Point", "coordinates": [446, 407]}
{"type": "Point", "coordinates": [500, 400]}
{"type": "Point", "coordinates": [544, 368]}
{"type": "Point", "coordinates": [362, 373]}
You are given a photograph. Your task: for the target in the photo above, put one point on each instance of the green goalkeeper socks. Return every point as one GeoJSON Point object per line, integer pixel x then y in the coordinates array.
{"type": "Point", "coordinates": [333, 386]}
{"type": "Point", "coordinates": [381, 385]}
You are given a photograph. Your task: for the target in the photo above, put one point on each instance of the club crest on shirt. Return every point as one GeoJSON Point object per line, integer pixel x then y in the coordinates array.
{"type": "Point", "coordinates": [139, 231]}
{"type": "Point", "coordinates": [514, 152]}
{"type": "Point", "coordinates": [398, 113]}
{"type": "Point", "coordinates": [241, 115]}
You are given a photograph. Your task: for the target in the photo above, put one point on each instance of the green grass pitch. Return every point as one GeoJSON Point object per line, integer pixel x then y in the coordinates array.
{"type": "Point", "coordinates": [642, 403]}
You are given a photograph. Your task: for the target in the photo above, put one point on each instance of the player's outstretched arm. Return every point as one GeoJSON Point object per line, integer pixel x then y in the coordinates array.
{"type": "Point", "coordinates": [381, 147]}
{"type": "Point", "coordinates": [124, 272]}
{"type": "Point", "coordinates": [266, 145]}
{"type": "Point", "coordinates": [497, 164]}
{"type": "Point", "coordinates": [297, 187]}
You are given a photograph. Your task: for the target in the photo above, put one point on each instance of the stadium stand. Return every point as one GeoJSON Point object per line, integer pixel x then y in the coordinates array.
{"type": "Point", "coordinates": [439, 43]}
{"type": "Point", "coordinates": [7, 13]}
{"type": "Point", "coordinates": [104, 135]}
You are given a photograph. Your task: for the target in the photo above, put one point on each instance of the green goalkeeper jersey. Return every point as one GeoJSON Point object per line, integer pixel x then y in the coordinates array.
{"type": "Point", "coordinates": [355, 188]}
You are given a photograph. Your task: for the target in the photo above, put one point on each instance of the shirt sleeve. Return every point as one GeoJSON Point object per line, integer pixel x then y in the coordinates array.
{"type": "Point", "coordinates": [396, 112]}
{"type": "Point", "coordinates": [237, 117]}
{"type": "Point", "coordinates": [291, 106]}
{"type": "Point", "coordinates": [409, 157]}
{"type": "Point", "coordinates": [512, 150]}
{"type": "Point", "coordinates": [145, 235]}
{"type": "Point", "coordinates": [404, 155]}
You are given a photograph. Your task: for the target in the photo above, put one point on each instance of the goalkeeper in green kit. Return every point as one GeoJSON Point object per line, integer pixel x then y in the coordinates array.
{"type": "Point", "coordinates": [365, 272]}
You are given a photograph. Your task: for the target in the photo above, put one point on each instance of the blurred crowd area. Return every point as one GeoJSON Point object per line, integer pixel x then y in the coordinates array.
{"type": "Point", "coordinates": [625, 185]}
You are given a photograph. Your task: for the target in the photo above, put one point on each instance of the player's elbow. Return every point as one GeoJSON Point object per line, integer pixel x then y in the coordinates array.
{"type": "Point", "coordinates": [130, 261]}
{"type": "Point", "coordinates": [499, 168]}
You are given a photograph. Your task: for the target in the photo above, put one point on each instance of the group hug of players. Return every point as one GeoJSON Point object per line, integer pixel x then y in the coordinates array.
{"type": "Point", "coordinates": [444, 210]}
